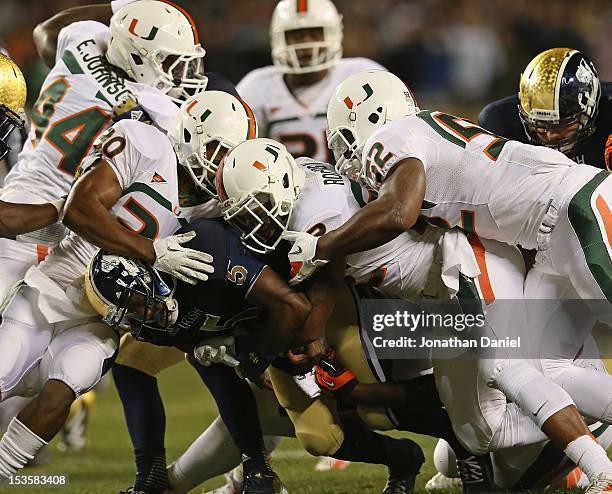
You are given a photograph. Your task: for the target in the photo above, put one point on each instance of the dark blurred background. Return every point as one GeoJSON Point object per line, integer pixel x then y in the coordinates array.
{"type": "Point", "coordinates": [457, 55]}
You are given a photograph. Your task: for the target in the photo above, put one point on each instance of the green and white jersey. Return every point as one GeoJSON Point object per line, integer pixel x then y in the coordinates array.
{"type": "Point", "coordinates": [297, 119]}
{"type": "Point", "coordinates": [399, 268]}
{"type": "Point", "coordinates": [74, 107]}
{"type": "Point", "coordinates": [475, 180]}
{"type": "Point", "coordinates": [146, 168]}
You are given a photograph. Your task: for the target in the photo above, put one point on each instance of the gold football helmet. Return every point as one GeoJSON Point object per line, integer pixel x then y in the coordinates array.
{"type": "Point", "coordinates": [559, 96]}
{"type": "Point", "coordinates": [12, 100]}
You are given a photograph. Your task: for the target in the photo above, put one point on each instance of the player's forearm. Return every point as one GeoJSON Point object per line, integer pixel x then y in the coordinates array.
{"type": "Point", "coordinates": [279, 329]}
{"type": "Point", "coordinates": [45, 35]}
{"type": "Point", "coordinates": [375, 224]}
{"type": "Point", "coordinates": [16, 219]}
{"type": "Point", "coordinates": [96, 225]}
{"type": "Point", "coordinates": [321, 291]}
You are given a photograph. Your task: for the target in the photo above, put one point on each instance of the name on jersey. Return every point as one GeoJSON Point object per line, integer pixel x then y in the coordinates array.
{"type": "Point", "coordinates": [330, 177]}
{"type": "Point", "coordinates": [97, 67]}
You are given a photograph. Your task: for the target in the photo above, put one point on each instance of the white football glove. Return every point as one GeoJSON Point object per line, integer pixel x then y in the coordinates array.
{"type": "Point", "coordinates": [216, 350]}
{"type": "Point", "coordinates": [308, 384]}
{"type": "Point", "coordinates": [301, 256]}
{"type": "Point", "coordinates": [184, 264]}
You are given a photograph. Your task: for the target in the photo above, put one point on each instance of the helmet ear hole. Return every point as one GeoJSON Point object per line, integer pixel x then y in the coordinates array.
{"type": "Point", "coordinates": [136, 58]}
{"type": "Point", "coordinates": [286, 181]}
{"type": "Point", "coordinates": [373, 118]}
{"type": "Point", "coordinates": [186, 135]}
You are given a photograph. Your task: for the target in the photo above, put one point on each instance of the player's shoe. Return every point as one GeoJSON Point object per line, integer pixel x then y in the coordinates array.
{"type": "Point", "coordinates": [402, 477]}
{"type": "Point", "coordinates": [602, 484]}
{"type": "Point", "coordinates": [576, 479]}
{"type": "Point", "coordinates": [476, 474]}
{"type": "Point", "coordinates": [233, 484]}
{"type": "Point", "coordinates": [399, 486]}
{"type": "Point", "coordinates": [440, 482]}
{"type": "Point", "coordinates": [326, 463]}
{"type": "Point", "coordinates": [262, 483]}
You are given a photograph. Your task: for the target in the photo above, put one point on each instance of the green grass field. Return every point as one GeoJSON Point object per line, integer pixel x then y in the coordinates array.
{"type": "Point", "coordinates": [106, 466]}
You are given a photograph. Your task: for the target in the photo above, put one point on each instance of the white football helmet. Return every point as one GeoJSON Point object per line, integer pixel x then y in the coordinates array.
{"type": "Point", "coordinates": [209, 125]}
{"type": "Point", "coordinates": [156, 43]}
{"type": "Point", "coordinates": [258, 184]}
{"type": "Point", "coordinates": [303, 14]}
{"type": "Point", "coordinates": [361, 104]}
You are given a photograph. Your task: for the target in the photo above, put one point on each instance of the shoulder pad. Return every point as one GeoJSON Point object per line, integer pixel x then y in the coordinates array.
{"type": "Point", "coordinates": [144, 139]}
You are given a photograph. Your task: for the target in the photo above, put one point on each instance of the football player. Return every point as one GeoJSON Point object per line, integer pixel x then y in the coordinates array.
{"type": "Point", "coordinates": [52, 342]}
{"type": "Point", "coordinates": [209, 126]}
{"type": "Point", "coordinates": [241, 295]}
{"type": "Point", "coordinates": [290, 98]}
{"type": "Point", "coordinates": [561, 104]}
{"type": "Point", "coordinates": [503, 190]}
{"type": "Point", "coordinates": [167, 58]}
{"type": "Point", "coordinates": [90, 80]}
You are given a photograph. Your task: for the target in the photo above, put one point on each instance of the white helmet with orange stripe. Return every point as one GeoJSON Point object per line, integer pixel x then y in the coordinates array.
{"type": "Point", "coordinates": [258, 183]}
{"type": "Point", "coordinates": [209, 125]}
{"type": "Point", "coordinates": [156, 43]}
{"type": "Point", "coordinates": [361, 104]}
{"type": "Point", "coordinates": [306, 56]}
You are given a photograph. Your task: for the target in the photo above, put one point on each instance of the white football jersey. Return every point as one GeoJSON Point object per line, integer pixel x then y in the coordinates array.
{"type": "Point", "coordinates": [297, 119]}
{"type": "Point", "coordinates": [475, 180]}
{"type": "Point", "coordinates": [399, 268]}
{"type": "Point", "coordinates": [74, 107]}
{"type": "Point", "coordinates": [146, 168]}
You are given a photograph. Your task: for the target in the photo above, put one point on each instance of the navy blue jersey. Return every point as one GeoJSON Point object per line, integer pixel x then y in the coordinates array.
{"type": "Point", "coordinates": [502, 118]}
{"type": "Point", "coordinates": [218, 82]}
{"type": "Point", "coordinates": [218, 304]}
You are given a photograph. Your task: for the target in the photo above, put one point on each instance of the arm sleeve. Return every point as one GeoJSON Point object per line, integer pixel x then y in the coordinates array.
{"type": "Point", "coordinates": [72, 35]}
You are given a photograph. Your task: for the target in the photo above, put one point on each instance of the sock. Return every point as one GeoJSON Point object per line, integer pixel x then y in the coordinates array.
{"type": "Point", "coordinates": [589, 456]}
{"type": "Point", "coordinates": [146, 422]}
{"type": "Point", "coordinates": [402, 456]}
{"type": "Point", "coordinates": [427, 416]}
{"type": "Point", "coordinates": [17, 447]}
{"type": "Point", "coordinates": [240, 417]}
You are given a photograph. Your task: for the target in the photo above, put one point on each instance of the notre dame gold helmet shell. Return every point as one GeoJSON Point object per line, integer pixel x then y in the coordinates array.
{"type": "Point", "coordinates": [12, 85]}
{"type": "Point", "coordinates": [559, 87]}
{"type": "Point", "coordinates": [12, 100]}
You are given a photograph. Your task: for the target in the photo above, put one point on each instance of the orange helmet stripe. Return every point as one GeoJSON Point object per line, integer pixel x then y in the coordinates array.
{"type": "Point", "coordinates": [302, 6]}
{"type": "Point", "coordinates": [252, 123]}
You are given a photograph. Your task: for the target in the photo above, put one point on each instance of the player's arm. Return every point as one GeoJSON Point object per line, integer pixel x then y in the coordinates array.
{"type": "Point", "coordinates": [16, 219]}
{"type": "Point", "coordinates": [284, 314]}
{"type": "Point", "coordinates": [394, 211]}
{"type": "Point", "coordinates": [321, 290]}
{"type": "Point", "coordinates": [46, 33]}
{"type": "Point", "coordinates": [87, 213]}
